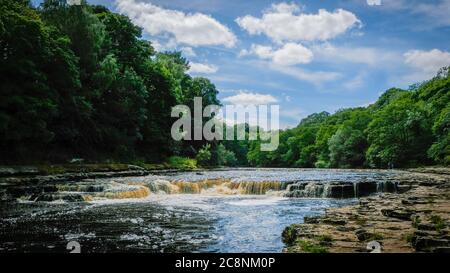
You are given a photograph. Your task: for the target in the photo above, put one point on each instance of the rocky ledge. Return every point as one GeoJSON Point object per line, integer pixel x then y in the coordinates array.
{"type": "Point", "coordinates": [37, 185]}
{"type": "Point", "coordinates": [340, 189]}
{"type": "Point", "coordinates": [416, 219]}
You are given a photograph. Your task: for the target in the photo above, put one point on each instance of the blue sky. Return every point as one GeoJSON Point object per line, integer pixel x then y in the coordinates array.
{"type": "Point", "coordinates": [307, 56]}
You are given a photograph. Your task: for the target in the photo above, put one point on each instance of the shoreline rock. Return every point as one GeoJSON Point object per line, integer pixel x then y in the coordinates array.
{"type": "Point", "coordinates": [415, 219]}
{"type": "Point", "coordinates": [338, 189]}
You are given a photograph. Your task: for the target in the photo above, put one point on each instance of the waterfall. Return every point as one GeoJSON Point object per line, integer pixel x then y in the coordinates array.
{"type": "Point", "coordinates": [338, 189]}
{"type": "Point", "coordinates": [216, 186]}
{"type": "Point", "coordinates": [300, 189]}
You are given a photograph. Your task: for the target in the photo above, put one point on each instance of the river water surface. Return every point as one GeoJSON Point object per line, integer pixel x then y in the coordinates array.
{"type": "Point", "coordinates": [172, 218]}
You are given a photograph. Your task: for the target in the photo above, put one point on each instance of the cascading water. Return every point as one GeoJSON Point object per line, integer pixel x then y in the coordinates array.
{"type": "Point", "coordinates": [225, 211]}
{"type": "Point", "coordinates": [216, 186]}
{"type": "Point", "coordinates": [125, 189]}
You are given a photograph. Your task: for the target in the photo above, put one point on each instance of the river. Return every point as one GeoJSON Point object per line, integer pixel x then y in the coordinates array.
{"type": "Point", "coordinates": [236, 210]}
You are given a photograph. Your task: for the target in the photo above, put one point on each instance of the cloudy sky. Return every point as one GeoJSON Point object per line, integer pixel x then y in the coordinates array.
{"type": "Point", "coordinates": [307, 56]}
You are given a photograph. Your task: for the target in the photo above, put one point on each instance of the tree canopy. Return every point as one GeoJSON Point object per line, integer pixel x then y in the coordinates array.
{"type": "Point", "coordinates": [81, 82]}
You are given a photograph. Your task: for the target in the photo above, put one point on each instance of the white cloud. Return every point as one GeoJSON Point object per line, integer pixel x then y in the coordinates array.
{"type": "Point", "coordinates": [157, 45]}
{"type": "Point", "coordinates": [243, 52]}
{"type": "Point", "coordinates": [317, 78]}
{"type": "Point", "coordinates": [195, 29]}
{"type": "Point", "coordinates": [249, 98]}
{"type": "Point", "coordinates": [263, 52]}
{"type": "Point", "coordinates": [202, 68]}
{"type": "Point", "coordinates": [288, 54]}
{"type": "Point", "coordinates": [377, 58]}
{"type": "Point", "coordinates": [285, 22]}
{"type": "Point", "coordinates": [188, 51]}
{"type": "Point", "coordinates": [356, 82]}
{"type": "Point", "coordinates": [437, 12]}
{"type": "Point", "coordinates": [330, 53]}
{"type": "Point", "coordinates": [291, 54]}
{"type": "Point", "coordinates": [426, 63]}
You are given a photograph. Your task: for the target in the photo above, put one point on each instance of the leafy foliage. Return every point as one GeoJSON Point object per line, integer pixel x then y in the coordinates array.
{"type": "Point", "coordinates": [403, 128]}
{"type": "Point", "coordinates": [80, 82]}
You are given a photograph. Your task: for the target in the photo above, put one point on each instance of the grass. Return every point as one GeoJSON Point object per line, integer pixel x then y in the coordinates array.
{"type": "Point", "coordinates": [360, 221]}
{"type": "Point", "coordinates": [375, 236]}
{"type": "Point", "coordinates": [409, 238]}
{"type": "Point", "coordinates": [415, 221]}
{"type": "Point", "coordinates": [289, 234]}
{"type": "Point", "coordinates": [309, 247]}
{"type": "Point", "coordinates": [325, 239]}
{"type": "Point", "coordinates": [174, 162]}
{"type": "Point", "coordinates": [438, 222]}
{"type": "Point", "coordinates": [71, 168]}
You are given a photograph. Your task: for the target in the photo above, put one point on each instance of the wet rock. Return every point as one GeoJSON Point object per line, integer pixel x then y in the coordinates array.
{"type": "Point", "coordinates": [414, 201]}
{"type": "Point", "coordinates": [416, 195]}
{"type": "Point", "coordinates": [41, 179]}
{"type": "Point", "coordinates": [426, 226]}
{"type": "Point", "coordinates": [334, 222]}
{"type": "Point", "coordinates": [403, 188]}
{"type": "Point", "coordinates": [49, 188]}
{"type": "Point", "coordinates": [321, 190]}
{"type": "Point", "coordinates": [429, 243]}
{"type": "Point", "coordinates": [397, 213]}
{"type": "Point", "coordinates": [306, 190]}
{"type": "Point", "coordinates": [50, 197]}
{"type": "Point", "coordinates": [442, 250]}
{"type": "Point", "coordinates": [344, 228]}
{"type": "Point", "coordinates": [341, 191]}
{"type": "Point", "coordinates": [18, 171]}
{"type": "Point", "coordinates": [366, 188]}
{"type": "Point", "coordinates": [362, 234]}
{"type": "Point", "coordinates": [426, 233]}
{"type": "Point", "coordinates": [311, 220]}
{"type": "Point", "coordinates": [364, 202]}
{"type": "Point", "coordinates": [134, 167]}
{"type": "Point", "coordinates": [389, 186]}
{"type": "Point", "coordinates": [290, 234]}
{"type": "Point", "coordinates": [338, 189]}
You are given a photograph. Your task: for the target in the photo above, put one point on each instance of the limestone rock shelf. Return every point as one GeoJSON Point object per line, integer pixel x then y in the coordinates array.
{"type": "Point", "coordinates": [415, 219]}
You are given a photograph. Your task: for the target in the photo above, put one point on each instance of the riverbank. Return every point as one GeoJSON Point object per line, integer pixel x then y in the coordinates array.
{"type": "Point", "coordinates": [241, 209]}
{"type": "Point", "coordinates": [417, 220]}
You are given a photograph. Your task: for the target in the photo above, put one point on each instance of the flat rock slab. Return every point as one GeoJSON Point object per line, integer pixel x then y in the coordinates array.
{"type": "Point", "coordinates": [414, 220]}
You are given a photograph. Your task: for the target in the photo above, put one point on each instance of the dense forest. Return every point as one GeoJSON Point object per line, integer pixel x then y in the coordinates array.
{"type": "Point", "coordinates": [402, 128]}
{"type": "Point", "coordinates": [80, 82]}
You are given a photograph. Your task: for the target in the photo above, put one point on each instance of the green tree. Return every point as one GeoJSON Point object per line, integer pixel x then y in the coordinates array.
{"type": "Point", "coordinates": [399, 134]}
{"type": "Point", "coordinates": [204, 155]}
{"type": "Point", "coordinates": [38, 79]}
{"type": "Point", "coordinates": [440, 150]}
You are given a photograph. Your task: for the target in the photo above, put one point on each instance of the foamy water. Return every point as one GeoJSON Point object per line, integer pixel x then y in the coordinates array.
{"type": "Point", "coordinates": [173, 216]}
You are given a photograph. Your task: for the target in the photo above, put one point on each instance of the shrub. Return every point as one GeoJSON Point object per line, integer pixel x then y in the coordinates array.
{"type": "Point", "coordinates": [438, 222]}
{"type": "Point", "coordinates": [309, 247]}
{"type": "Point", "coordinates": [179, 162]}
{"type": "Point", "coordinates": [204, 155]}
